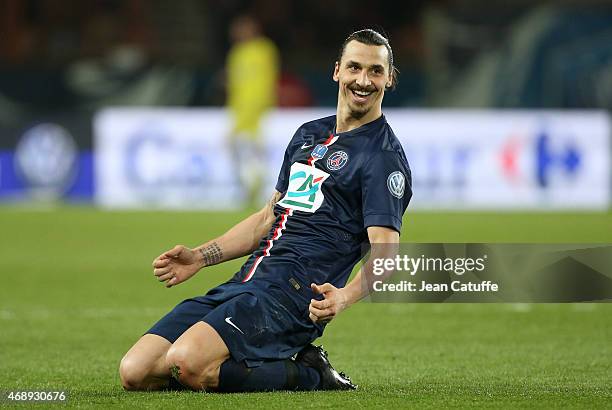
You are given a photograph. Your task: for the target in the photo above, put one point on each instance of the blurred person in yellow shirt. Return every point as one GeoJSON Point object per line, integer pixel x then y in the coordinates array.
{"type": "Point", "coordinates": [252, 76]}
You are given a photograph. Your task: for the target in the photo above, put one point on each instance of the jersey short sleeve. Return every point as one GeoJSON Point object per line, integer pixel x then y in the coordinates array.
{"type": "Point", "coordinates": [386, 190]}
{"type": "Point", "coordinates": [283, 176]}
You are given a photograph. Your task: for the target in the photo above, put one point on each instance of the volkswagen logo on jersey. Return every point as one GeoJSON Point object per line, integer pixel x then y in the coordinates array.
{"type": "Point", "coordinates": [319, 151]}
{"type": "Point", "coordinates": [396, 184]}
{"type": "Point", "coordinates": [337, 160]}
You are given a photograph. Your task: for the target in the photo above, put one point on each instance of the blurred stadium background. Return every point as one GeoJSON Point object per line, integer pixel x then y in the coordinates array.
{"type": "Point", "coordinates": [64, 63]}
{"type": "Point", "coordinates": [504, 112]}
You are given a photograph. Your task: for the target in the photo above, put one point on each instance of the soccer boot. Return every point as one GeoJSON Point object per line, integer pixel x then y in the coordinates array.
{"type": "Point", "coordinates": [316, 357]}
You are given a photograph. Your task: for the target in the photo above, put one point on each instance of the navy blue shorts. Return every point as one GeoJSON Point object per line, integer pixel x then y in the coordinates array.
{"type": "Point", "coordinates": [256, 323]}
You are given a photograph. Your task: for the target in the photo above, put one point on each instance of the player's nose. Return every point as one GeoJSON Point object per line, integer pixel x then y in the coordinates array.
{"type": "Point", "coordinates": [363, 80]}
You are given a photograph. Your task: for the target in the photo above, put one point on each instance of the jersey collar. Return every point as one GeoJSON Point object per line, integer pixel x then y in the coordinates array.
{"type": "Point", "coordinates": [364, 128]}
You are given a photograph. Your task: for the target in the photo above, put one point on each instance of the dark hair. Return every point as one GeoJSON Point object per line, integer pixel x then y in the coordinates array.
{"type": "Point", "coordinates": [373, 38]}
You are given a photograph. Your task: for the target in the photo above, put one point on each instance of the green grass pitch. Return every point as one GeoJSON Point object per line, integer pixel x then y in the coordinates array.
{"type": "Point", "coordinates": [77, 290]}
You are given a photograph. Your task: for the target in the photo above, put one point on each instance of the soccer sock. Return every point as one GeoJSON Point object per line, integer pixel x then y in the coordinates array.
{"type": "Point", "coordinates": [270, 375]}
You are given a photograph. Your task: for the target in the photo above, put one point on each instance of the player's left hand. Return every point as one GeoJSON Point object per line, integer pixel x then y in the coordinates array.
{"type": "Point", "coordinates": [334, 302]}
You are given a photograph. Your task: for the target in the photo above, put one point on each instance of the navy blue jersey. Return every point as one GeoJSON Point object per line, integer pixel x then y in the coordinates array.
{"type": "Point", "coordinates": [333, 186]}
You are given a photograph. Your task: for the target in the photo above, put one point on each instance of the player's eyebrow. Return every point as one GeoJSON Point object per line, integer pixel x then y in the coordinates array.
{"type": "Point", "coordinates": [350, 63]}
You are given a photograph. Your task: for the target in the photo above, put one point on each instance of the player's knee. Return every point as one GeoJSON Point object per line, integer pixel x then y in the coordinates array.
{"type": "Point", "coordinates": [183, 369]}
{"type": "Point", "coordinates": [132, 374]}
{"type": "Point", "coordinates": [197, 375]}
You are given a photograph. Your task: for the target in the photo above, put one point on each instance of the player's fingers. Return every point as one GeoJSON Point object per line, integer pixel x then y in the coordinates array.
{"type": "Point", "coordinates": [320, 313]}
{"type": "Point", "coordinates": [160, 263]}
{"type": "Point", "coordinates": [165, 276]}
{"type": "Point", "coordinates": [322, 320]}
{"type": "Point", "coordinates": [161, 257]}
{"type": "Point", "coordinates": [174, 252]}
{"type": "Point", "coordinates": [160, 271]}
{"type": "Point", "coordinates": [314, 311]}
{"type": "Point", "coordinates": [321, 289]}
{"type": "Point", "coordinates": [320, 304]}
{"type": "Point", "coordinates": [173, 281]}
{"type": "Point", "coordinates": [326, 287]}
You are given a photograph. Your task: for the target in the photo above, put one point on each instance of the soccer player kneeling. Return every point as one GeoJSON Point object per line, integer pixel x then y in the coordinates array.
{"type": "Point", "coordinates": [345, 182]}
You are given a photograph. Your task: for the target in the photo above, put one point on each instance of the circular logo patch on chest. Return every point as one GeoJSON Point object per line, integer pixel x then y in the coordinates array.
{"type": "Point", "coordinates": [337, 160]}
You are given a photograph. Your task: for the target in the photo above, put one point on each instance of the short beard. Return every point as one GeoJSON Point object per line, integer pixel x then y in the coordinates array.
{"type": "Point", "coordinates": [359, 114]}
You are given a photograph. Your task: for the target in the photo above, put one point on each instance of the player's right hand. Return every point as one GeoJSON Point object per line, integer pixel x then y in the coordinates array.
{"type": "Point", "coordinates": [176, 265]}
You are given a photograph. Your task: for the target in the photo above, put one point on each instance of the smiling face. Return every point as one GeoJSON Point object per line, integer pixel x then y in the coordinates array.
{"type": "Point", "coordinates": [362, 75]}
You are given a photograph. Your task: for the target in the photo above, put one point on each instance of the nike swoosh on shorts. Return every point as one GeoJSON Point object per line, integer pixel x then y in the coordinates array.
{"type": "Point", "coordinates": [228, 320]}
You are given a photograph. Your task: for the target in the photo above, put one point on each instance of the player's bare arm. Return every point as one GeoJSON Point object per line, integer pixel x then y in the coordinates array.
{"type": "Point", "coordinates": [181, 263]}
{"type": "Point", "coordinates": [337, 299]}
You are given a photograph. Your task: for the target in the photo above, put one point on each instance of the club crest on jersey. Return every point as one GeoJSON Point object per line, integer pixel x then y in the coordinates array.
{"type": "Point", "coordinates": [304, 192]}
{"type": "Point", "coordinates": [396, 184]}
{"type": "Point", "coordinates": [337, 160]}
{"type": "Point", "coordinates": [319, 151]}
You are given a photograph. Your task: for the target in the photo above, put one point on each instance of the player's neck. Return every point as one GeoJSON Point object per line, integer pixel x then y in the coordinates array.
{"type": "Point", "coordinates": [345, 122]}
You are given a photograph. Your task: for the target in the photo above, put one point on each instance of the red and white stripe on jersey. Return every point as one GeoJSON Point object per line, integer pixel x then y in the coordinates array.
{"type": "Point", "coordinates": [332, 138]}
{"type": "Point", "coordinates": [278, 232]}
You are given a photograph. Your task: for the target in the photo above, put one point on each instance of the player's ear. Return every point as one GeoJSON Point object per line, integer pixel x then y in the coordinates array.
{"type": "Point", "coordinates": [389, 83]}
{"type": "Point", "coordinates": [336, 71]}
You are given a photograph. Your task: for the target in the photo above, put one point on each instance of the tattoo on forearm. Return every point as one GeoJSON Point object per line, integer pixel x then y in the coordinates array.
{"type": "Point", "coordinates": [211, 254]}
